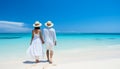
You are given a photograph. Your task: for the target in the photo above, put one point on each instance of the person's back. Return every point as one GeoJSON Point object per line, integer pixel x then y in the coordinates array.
{"type": "Point", "coordinates": [36, 33]}
{"type": "Point", "coordinates": [49, 35]}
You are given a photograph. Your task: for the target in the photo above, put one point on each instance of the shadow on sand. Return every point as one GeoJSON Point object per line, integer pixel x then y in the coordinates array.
{"type": "Point", "coordinates": [32, 62]}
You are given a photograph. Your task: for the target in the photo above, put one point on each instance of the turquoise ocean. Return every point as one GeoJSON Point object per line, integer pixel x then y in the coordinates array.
{"type": "Point", "coordinates": [16, 44]}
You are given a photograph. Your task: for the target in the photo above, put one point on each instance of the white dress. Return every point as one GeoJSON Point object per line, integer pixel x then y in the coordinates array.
{"type": "Point", "coordinates": [35, 49]}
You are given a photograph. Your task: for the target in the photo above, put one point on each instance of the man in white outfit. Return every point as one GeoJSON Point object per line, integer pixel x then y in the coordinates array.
{"type": "Point", "coordinates": [50, 39]}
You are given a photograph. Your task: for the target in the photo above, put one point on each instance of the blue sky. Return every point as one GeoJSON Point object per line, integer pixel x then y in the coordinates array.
{"type": "Point", "coordinates": [84, 16]}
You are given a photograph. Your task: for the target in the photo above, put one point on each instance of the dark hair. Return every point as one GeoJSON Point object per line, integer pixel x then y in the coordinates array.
{"type": "Point", "coordinates": [36, 27]}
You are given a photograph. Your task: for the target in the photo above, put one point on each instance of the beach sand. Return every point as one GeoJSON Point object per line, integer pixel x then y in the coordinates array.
{"type": "Point", "coordinates": [94, 58]}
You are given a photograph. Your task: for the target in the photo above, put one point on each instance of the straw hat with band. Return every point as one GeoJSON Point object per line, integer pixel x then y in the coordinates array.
{"type": "Point", "coordinates": [49, 24]}
{"type": "Point", "coordinates": [37, 24]}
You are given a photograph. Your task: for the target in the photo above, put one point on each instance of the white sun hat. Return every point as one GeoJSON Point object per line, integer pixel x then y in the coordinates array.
{"type": "Point", "coordinates": [37, 24]}
{"type": "Point", "coordinates": [49, 22]}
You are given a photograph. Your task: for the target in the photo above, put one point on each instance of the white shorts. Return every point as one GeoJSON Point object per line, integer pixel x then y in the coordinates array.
{"type": "Point", "coordinates": [49, 45]}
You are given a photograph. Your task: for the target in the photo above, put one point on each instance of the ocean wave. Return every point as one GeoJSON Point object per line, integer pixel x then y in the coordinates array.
{"type": "Point", "coordinates": [100, 39]}
{"type": "Point", "coordinates": [112, 38]}
{"type": "Point", "coordinates": [14, 37]}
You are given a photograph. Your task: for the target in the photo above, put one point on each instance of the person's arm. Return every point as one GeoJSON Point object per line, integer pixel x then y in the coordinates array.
{"type": "Point", "coordinates": [41, 37]}
{"type": "Point", "coordinates": [32, 37]}
{"type": "Point", "coordinates": [54, 36]}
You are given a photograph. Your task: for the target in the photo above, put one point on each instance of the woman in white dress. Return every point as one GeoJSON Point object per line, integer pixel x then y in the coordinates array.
{"type": "Point", "coordinates": [36, 50]}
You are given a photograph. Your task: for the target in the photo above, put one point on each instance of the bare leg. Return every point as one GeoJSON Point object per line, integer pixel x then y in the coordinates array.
{"type": "Point", "coordinates": [37, 59]}
{"type": "Point", "coordinates": [51, 55]}
{"type": "Point", "coordinates": [47, 53]}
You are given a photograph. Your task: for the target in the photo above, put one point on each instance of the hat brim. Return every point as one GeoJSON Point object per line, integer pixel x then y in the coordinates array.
{"type": "Point", "coordinates": [37, 25]}
{"type": "Point", "coordinates": [50, 25]}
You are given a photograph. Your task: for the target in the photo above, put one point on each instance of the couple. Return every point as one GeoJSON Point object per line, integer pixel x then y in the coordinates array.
{"type": "Point", "coordinates": [49, 38]}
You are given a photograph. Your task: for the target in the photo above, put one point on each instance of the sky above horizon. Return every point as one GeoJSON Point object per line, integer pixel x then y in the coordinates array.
{"type": "Point", "coordinates": [83, 16]}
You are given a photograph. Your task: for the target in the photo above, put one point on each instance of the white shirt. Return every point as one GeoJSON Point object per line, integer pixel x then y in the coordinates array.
{"type": "Point", "coordinates": [49, 35]}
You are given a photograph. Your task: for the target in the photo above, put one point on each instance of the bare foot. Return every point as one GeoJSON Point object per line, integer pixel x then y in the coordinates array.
{"type": "Point", "coordinates": [37, 61]}
{"type": "Point", "coordinates": [50, 61]}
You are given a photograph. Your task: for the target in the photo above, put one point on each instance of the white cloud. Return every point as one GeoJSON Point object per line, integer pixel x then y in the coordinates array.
{"type": "Point", "coordinates": [13, 27]}
{"type": "Point", "coordinates": [12, 23]}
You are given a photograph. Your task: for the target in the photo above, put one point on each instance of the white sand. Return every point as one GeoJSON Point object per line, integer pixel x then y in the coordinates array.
{"type": "Point", "coordinates": [102, 58]}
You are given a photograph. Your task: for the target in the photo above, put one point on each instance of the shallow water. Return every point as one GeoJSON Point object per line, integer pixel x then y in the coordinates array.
{"type": "Point", "coordinates": [16, 44]}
